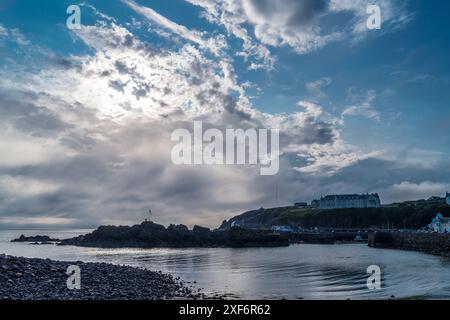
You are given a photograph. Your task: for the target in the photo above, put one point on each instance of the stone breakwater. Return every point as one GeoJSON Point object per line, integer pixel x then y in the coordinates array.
{"type": "Point", "coordinates": [39, 279]}
{"type": "Point", "coordinates": [436, 244]}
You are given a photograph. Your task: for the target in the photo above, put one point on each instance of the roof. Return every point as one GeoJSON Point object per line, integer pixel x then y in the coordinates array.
{"type": "Point", "coordinates": [350, 196]}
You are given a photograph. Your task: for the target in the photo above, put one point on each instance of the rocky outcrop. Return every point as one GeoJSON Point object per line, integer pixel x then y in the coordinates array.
{"type": "Point", "coordinates": [432, 243]}
{"type": "Point", "coordinates": [35, 239]}
{"type": "Point", "coordinates": [38, 279]}
{"type": "Point", "coordinates": [151, 235]}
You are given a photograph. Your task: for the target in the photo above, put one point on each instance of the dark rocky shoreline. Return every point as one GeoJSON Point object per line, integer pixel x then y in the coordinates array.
{"type": "Point", "coordinates": [152, 235]}
{"type": "Point", "coordinates": [38, 238]}
{"type": "Point", "coordinates": [39, 279]}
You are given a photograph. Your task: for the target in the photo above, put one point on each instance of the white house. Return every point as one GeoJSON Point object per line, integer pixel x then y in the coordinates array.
{"type": "Point", "coordinates": [282, 229]}
{"type": "Point", "coordinates": [440, 224]}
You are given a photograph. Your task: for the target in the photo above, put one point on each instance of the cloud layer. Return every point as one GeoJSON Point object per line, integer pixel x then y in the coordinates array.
{"type": "Point", "coordinates": [303, 25]}
{"type": "Point", "coordinates": [86, 138]}
{"type": "Point", "coordinates": [89, 135]}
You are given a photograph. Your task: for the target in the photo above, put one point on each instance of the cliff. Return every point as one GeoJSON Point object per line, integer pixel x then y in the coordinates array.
{"type": "Point", "coordinates": [410, 215]}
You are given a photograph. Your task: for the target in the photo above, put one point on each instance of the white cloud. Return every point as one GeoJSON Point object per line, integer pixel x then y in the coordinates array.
{"type": "Point", "coordinates": [363, 108]}
{"type": "Point", "coordinates": [3, 31]}
{"type": "Point", "coordinates": [23, 187]}
{"type": "Point", "coordinates": [394, 14]}
{"type": "Point", "coordinates": [288, 22]}
{"type": "Point", "coordinates": [51, 221]}
{"type": "Point", "coordinates": [19, 149]}
{"type": "Point", "coordinates": [421, 190]}
{"type": "Point", "coordinates": [229, 14]}
{"type": "Point", "coordinates": [14, 35]}
{"type": "Point", "coordinates": [216, 45]}
{"type": "Point", "coordinates": [108, 150]}
{"type": "Point", "coordinates": [155, 17]}
{"type": "Point", "coordinates": [102, 155]}
{"type": "Point", "coordinates": [19, 37]}
{"type": "Point", "coordinates": [315, 88]}
{"type": "Point", "coordinates": [299, 24]}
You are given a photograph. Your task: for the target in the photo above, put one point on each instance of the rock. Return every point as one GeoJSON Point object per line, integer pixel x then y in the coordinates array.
{"type": "Point", "coordinates": [151, 235]}
{"type": "Point", "coordinates": [36, 239]}
{"type": "Point", "coordinates": [46, 280]}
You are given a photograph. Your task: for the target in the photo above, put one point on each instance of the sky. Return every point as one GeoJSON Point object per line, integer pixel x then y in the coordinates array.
{"type": "Point", "coordinates": [87, 113]}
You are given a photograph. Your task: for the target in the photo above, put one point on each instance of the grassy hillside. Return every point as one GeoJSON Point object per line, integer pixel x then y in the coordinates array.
{"type": "Point", "coordinates": [403, 215]}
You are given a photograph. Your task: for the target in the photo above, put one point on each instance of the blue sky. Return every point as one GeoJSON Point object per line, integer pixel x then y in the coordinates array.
{"type": "Point", "coordinates": [360, 110]}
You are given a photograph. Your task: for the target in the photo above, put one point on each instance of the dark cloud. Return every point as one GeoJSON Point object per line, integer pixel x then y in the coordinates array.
{"type": "Point", "coordinates": [311, 132]}
{"type": "Point", "coordinates": [307, 10]}
{"type": "Point", "coordinates": [300, 12]}
{"type": "Point", "coordinates": [66, 63]}
{"type": "Point", "coordinates": [117, 85]}
{"type": "Point", "coordinates": [17, 109]}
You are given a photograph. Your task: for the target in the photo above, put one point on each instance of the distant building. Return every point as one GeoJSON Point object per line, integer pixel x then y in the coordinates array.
{"type": "Point", "coordinates": [349, 201]}
{"type": "Point", "coordinates": [440, 224]}
{"type": "Point", "coordinates": [245, 225]}
{"type": "Point", "coordinates": [447, 198]}
{"type": "Point", "coordinates": [283, 229]}
{"type": "Point", "coordinates": [315, 204]}
{"type": "Point", "coordinates": [301, 205]}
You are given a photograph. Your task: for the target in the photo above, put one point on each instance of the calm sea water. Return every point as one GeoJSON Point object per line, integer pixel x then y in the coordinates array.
{"type": "Point", "coordinates": [295, 272]}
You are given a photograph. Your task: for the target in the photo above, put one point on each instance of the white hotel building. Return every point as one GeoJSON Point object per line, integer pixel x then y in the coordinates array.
{"type": "Point", "coordinates": [348, 201]}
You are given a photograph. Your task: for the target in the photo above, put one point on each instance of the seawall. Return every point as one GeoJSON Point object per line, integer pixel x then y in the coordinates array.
{"type": "Point", "coordinates": [436, 244]}
{"type": "Point", "coordinates": [325, 237]}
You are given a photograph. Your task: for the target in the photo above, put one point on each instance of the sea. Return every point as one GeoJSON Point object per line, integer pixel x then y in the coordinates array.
{"type": "Point", "coordinates": [303, 271]}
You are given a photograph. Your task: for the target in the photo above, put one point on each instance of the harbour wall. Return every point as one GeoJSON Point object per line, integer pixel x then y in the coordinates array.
{"type": "Point", "coordinates": [431, 243]}
{"type": "Point", "coordinates": [326, 237]}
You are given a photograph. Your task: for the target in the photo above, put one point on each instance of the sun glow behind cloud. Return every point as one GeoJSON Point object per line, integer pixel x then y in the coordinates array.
{"type": "Point", "coordinates": [88, 139]}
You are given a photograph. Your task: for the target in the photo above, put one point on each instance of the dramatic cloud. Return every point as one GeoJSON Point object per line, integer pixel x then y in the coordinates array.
{"type": "Point", "coordinates": [304, 25]}
{"type": "Point", "coordinates": [86, 139]}
{"type": "Point", "coordinates": [89, 136]}
{"type": "Point", "coordinates": [287, 22]}
{"type": "Point", "coordinates": [230, 14]}
{"type": "Point", "coordinates": [216, 45]}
